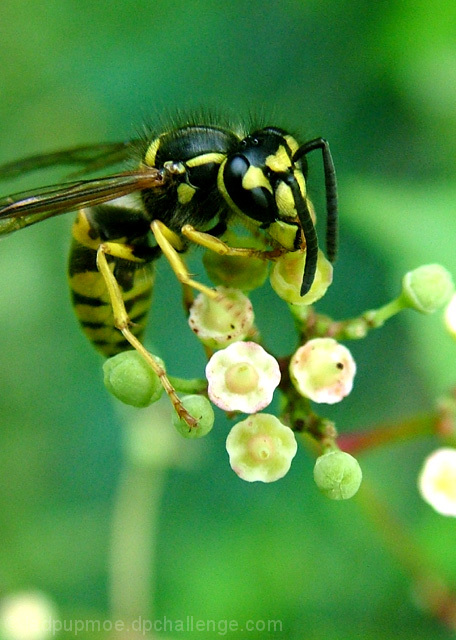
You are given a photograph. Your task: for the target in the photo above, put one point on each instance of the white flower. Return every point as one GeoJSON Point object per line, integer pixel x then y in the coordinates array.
{"type": "Point", "coordinates": [27, 615]}
{"type": "Point", "coordinates": [242, 377]}
{"type": "Point", "coordinates": [261, 448]}
{"type": "Point", "coordinates": [450, 316]}
{"type": "Point", "coordinates": [437, 481]}
{"type": "Point", "coordinates": [223, 320]}
{"type": "Point", "coordinates": [323, 370]}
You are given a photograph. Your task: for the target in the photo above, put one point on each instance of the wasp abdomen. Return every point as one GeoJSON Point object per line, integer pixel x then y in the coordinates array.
{"type": "Point", "coordinates": [89, 294]}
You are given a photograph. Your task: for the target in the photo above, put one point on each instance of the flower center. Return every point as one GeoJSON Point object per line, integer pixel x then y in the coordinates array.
{"type": "Point", "coordinates": [241, 377]}
{"type": "Point", "coordinates": [261, 448]}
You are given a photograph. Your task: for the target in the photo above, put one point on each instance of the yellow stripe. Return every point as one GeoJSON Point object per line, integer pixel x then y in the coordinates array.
{"type": "Point", "coordinates": [279, 161]}
{"type": "Point", "coordinates": [151, 152]}
{"type": "Point", "coordinates": [294, 146]}
{"type": "Point", "coordinates": [285, 201]}
{"type": "Point", "coordinates": [140, 307]}
{"type": "Point", "coordinates": [206, 158]}
{"type": "Point", "coordinates": [81, 229]}
{"type": "Point", "coordinates": [87, 313]}
{"type": "Point", "coordinates": [90, 284]}
{"type": "Point", "coordinates": [254, 178]}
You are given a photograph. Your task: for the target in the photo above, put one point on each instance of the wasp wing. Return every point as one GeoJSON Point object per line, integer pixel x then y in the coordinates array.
{"type": "Point", "coordinates": [27, 208]}
{"type": "Point", "coordinates": [89, 157]}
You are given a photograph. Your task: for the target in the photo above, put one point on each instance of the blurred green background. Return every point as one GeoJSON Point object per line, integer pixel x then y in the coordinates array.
{"type": "Point", "coordinates": [378, 80]}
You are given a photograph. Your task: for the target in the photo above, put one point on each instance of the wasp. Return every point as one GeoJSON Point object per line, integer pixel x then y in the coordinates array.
{"type": "Point", "coordinates": [184, 186]}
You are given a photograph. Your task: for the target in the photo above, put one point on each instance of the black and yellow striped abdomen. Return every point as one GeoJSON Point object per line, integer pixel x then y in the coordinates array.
{"type": "Point", "coordinates": [89, 294]}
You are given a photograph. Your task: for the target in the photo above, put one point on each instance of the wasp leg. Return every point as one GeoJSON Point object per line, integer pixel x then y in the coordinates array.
{"type": "Point", "coordinates": [122, 321]}
{"type": "Point", "coordinates": [216, 245]}
{"type": "Point", "coordinates": [170, 243]}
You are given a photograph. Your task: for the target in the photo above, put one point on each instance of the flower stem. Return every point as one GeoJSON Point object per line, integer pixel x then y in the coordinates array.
{"type": "Point", "coordinates": [417, 425]}
{"type": "Point", "coordinates": [191, 385]}
{"type": "Point", "coordinates": [132, 542]}
{"type": "Point", "coordinates": [433, 594]}
{"type": "Point", "coordinates": [440, 422]}
{"type": "Point", "coordinates": [134, 527]}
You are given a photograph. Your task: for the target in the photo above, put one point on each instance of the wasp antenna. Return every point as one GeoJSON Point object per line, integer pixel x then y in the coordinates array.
{"type": "Point", "coordinates": [331, 191]}
{"type": "Point", "coordinates": [309, 232]}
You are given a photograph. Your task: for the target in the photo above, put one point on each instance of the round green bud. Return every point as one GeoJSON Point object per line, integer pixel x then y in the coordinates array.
{"type": "Point", "coordinates": [427, 288]}
{"type": "Point", "coordinates": [286, 277]}
{"type": "Point", "coordinates": [338, 475]}
{"type": "Point", "coordinates": [131, 380]}
{"type": "Point", "coordinates": [236, 272]}
{"type": "Point", "coordinates": [200, 408]}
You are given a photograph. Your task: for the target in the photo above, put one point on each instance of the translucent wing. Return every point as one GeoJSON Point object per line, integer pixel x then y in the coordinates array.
{"type": "Point", "coordinates": [89, 157]}
{"type": "Point", "coordinates": [27, 208]}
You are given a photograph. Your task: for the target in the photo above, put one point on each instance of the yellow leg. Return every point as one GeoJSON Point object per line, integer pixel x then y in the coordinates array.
{"type": "Point", "coordinates": [122, 322]}
{"type": "Point", "coordinates": [170, 244]}
{"type": "Point", "coordinates": [218, 246]}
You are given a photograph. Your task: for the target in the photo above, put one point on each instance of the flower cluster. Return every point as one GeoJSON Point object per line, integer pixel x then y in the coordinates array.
{"type": "Point", "coordinates": [241, 376]}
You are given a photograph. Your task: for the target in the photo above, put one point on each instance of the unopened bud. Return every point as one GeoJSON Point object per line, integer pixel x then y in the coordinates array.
{"type": "Point", "coordinates": [427, 288]}
{"type": "Point", "coordinates": [286, 277]}
{"type": "Point", "coordinates": [130, 379]}
{"type": "Point", "coordinates": [237, 272]}
{"type": "Point", "coordinates": [200, 408]}
{"type": "Point", "coordinates": [337, 475]}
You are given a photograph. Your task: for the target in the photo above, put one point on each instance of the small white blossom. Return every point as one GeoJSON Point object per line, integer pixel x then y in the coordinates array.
{"type": "Point", "coordinates": [221, 321]}
{"type": "Point", "coordinates": [261, 448]}
{"type": "Point", "coordinates": [242, 377]}
{"type": "Point", "coordinates": [26, 615]}
{"type": "Point", "coordinates": [437, 481]}
{"type": "Point", "coordinates": [323, 370]}
{"type": "Point", "coordinates": [450, 316]}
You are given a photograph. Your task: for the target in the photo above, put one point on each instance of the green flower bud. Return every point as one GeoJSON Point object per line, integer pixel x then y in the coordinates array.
{"type": "Point", "coordinates": [261, 448]}
{"type": "Point", "coordinates": [338, 475]}
{"type": "Point", "coordinates": [237, 272]}
{"type": "Point", "coordinates": [200, 408]}
{"type": "Point", "coordinates": [221, 321]}
{"type": "Point", "coordinates": [427, 288]}
{"type": "Point", "coordinates": [286, 277]}
{"type": "Point", "coordinates": [130, 379]}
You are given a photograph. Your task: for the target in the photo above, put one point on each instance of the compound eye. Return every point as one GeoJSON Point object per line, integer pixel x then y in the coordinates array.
{"type": "Point", "coordinates": [236, 168]}
{"type": "Point", "coordinates": [253, 199]}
